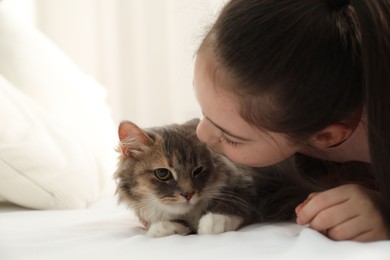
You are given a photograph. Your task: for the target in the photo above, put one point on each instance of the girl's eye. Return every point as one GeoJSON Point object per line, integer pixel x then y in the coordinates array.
{"type": "Point", "coordinates": [229, 142]}
{"type": "Point", "coordinates": [197, 171]}
{"type": "Point", "coordinates": [163, 174]}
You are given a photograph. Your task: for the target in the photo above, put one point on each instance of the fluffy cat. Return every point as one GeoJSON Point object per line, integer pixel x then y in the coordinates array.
{"type": "Point", "coordinates": [177, 185]}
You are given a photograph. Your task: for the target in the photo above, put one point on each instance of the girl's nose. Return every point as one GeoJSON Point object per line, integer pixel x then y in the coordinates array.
{"type": "Point", "coordinates": [206, 132]}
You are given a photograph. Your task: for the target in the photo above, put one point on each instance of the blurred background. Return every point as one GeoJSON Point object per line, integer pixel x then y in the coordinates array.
{"type": "Point", "coordinates": [142, 51]}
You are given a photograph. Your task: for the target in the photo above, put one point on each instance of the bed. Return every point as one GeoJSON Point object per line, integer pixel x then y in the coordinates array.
{"type": "Point", "coordinates": [108, 231]}
{"type": "Point", "coordinates": [60, 177]}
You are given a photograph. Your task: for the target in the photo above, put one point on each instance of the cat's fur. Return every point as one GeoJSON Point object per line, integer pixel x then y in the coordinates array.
{"type": "Point", "coordinates": [205, 192]}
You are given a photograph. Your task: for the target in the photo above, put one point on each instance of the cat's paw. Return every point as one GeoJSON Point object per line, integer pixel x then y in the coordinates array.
{"type": "Point", "coordinates": [212, 223]}
{"type": "Point", "coordinates": [167, 228]}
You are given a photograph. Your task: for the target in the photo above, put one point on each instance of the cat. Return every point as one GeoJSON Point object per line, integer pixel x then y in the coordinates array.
{"type": "Point", "coordinates": [177, 185]}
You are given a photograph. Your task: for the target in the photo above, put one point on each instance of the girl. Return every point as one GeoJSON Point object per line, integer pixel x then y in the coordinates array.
{"type": "Point", "coordinates": [280, 78]}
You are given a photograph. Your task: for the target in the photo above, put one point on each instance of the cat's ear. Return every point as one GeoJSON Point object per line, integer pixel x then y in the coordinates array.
{"type": "Point", "coordinates": [132, 139]}
{"type": "Point", "coordinates": [192, 124]}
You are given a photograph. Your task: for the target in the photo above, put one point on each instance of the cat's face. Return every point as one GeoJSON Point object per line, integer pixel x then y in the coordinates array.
{"type": "Point", "coordinates": [164, 169]}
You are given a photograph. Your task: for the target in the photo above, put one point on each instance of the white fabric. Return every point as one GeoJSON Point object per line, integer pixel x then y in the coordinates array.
{"type": "Point", "coordinates": [142, 50]}
{"type": "Point", "coordinates": [106, 231]}
{"type": "Point", "coordinates": [57, 138]}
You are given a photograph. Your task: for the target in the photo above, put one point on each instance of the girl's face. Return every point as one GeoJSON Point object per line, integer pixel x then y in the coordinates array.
{"type": "Point", "coordinates": [224, 130]}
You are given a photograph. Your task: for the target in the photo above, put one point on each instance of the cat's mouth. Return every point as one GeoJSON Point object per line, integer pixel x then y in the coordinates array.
{"type": "Point", "coordinates": [178, 207]}
{"type": "Point", "coordinates": [180, 202]}
{"type": "Point", "coordinates": [193, 201]}
{"type": "Point", "coordinates": [189, 203]}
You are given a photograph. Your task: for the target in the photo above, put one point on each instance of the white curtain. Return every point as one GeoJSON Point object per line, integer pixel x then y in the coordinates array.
{"type": "Point", "coordinates": [141, 50]}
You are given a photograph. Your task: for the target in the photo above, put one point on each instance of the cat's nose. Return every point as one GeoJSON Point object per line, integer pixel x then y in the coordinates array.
{"type": "Point", "coordinates": [187, 195]}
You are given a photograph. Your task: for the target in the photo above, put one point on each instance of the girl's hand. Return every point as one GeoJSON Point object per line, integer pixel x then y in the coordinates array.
{"type": "Point", "coordinates": [347, 212]}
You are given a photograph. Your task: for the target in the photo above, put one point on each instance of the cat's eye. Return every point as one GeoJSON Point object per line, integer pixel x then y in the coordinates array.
{"type": "Point", "coordinates": [197, 171]}
{"type": "Point", "coordinates": [163, 174]}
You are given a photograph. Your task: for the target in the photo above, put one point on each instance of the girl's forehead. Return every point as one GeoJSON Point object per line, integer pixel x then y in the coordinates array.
{"type": "Point", "coordinates": [210, 84]}
{"type": "Point", "coordinates": [212, 73]}
{"type": "Point", "coordinates": [218, 105]}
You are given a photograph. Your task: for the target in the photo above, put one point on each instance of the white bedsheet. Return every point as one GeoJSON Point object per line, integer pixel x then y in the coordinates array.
{"type": "Point", "coordinates": [107, 231]}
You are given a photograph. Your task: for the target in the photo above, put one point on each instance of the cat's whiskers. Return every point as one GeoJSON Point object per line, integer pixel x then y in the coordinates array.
{"type": "Point", "coordinates": [150, 209]}
{"type": "Point", "coordinates": [153, 208]}
{"type": "Point", "coordinates": [213, 188]}
{"type": "Point", "coordinates": [145, 204]}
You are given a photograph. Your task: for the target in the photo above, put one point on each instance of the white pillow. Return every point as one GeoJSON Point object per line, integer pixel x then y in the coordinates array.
{"type": "Point", "coordinates": [57, 137]}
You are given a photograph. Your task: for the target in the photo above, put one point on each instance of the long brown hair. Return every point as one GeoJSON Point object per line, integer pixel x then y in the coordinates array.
{"type": "Point", "coordinates": [317, 63]}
